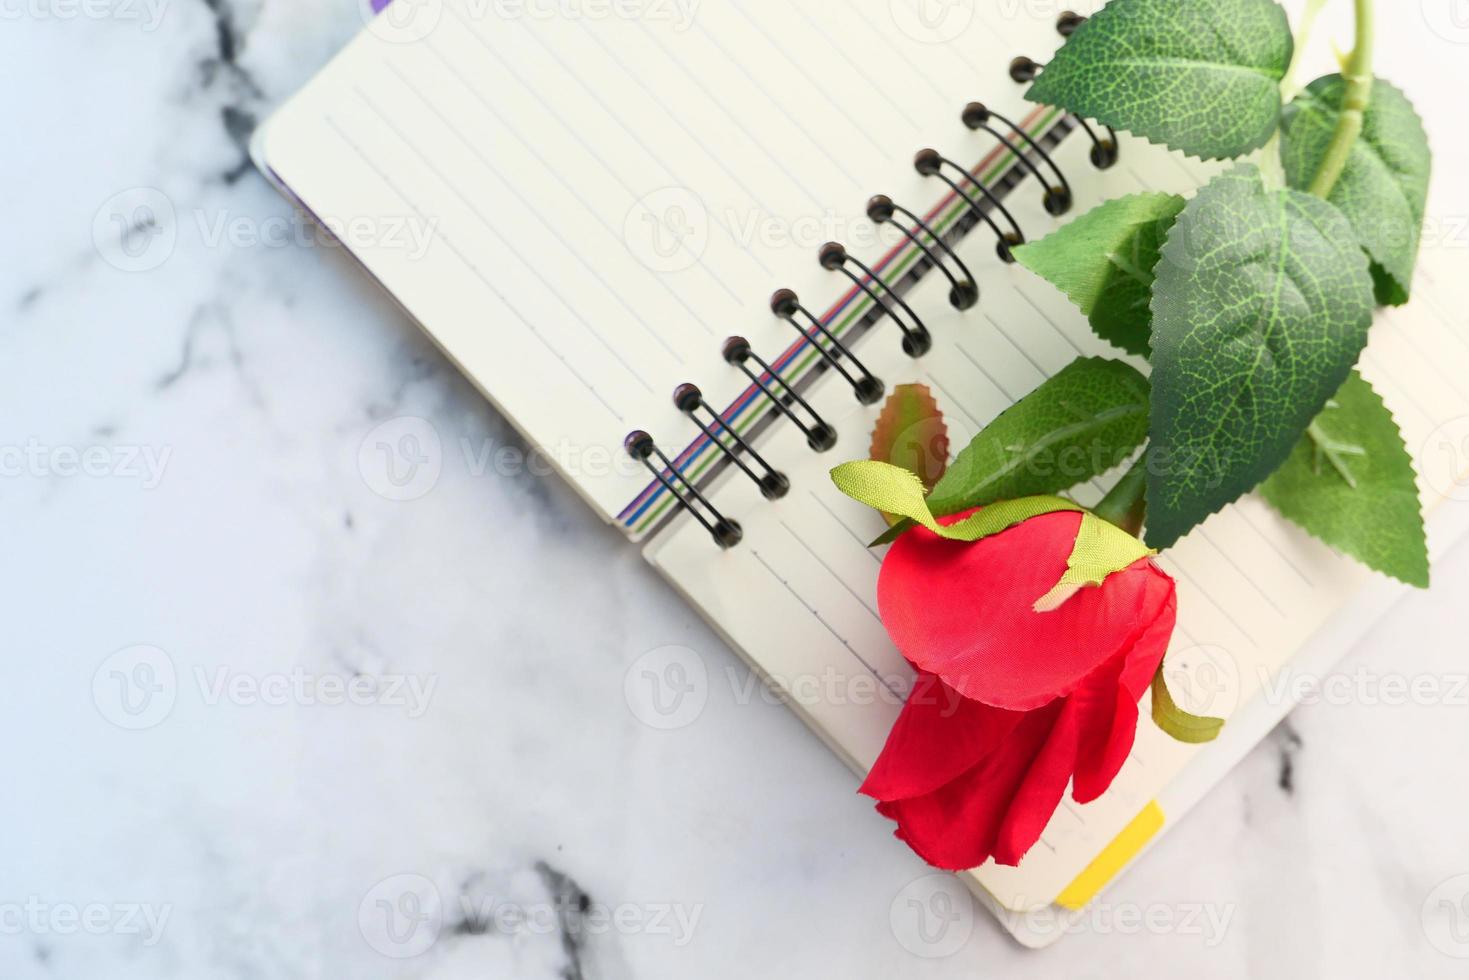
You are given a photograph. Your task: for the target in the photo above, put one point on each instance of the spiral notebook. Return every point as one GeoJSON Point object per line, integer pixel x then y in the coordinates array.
{"type": "Point", "coordinates": [612, 198]}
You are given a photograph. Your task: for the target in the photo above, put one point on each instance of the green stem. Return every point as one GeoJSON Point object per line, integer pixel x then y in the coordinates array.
{"type": "Point", "coordinates": [1127, 504]}
{"type": "Point", "coordinates": [1289, 88]}
{"type": "Point", "coordinates": [1357, 70]}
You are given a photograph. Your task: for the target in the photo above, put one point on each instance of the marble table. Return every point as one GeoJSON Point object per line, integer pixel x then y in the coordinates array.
{"type": "Point", "coordinates": [261, 721]}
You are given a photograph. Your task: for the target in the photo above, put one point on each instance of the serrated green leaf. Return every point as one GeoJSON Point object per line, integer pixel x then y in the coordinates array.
{"type": "Point", "coordinates": [1177, 723]}
{"type": "Point", "coordinates": [1261, 307]}
{"type": "Point", "coordinates": [1080, 423]}
{"type": "Point", "coordinates": [1383, 189]}
{"type": "Point", "coordinates": [1103, 261]}
{"type": "Point", "coordinates": [911, 433]}
{"type": "Point", "coordinates": [1350, 483]}
{"type": "Point", "coordinates": [1202, 77]}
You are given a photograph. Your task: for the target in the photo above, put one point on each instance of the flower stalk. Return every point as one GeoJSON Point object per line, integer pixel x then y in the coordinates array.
{"type": "Point", "coordinates": [1357, 71]}
{"type": "Point", "coordinates": [1126, 505]}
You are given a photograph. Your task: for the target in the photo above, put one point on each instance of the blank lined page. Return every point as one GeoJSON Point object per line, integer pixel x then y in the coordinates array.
{"type": "Point", "coordinates": [607, 197]}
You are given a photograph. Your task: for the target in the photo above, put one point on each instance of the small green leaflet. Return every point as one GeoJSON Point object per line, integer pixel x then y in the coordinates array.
{"type": "Point", "coordinates": [1084, 421]}
{"type": "Point", "coordinates": [1103, 261]}
{"type": "Point", "coordinates": [1202, 77]}
{"type": "Point", "coordinates": [1384, 187]}
{"type": "Point", "coordinates": [1099, 551]}
{"type": "Point", "coordinates": [911, 433]}
{"type": "Point", "coordinates": [894, 490]}
{"type": "Point", "coordinates": [1177, 723]}
{"type": "Point", "coordinates": [1350, 483]}
{"type": "Point", "coordinates": [1261, 308]}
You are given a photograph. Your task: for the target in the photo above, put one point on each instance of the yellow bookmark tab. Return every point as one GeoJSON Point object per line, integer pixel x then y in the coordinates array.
{"type": "Point", "coordinates": [1114, 858]}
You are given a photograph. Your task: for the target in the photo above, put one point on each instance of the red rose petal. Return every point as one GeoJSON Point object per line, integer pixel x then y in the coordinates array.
{"type": "Point", "coordinates": [956, 827]}
{"type": "Point", "coordinates": [939, 736]}
{"type": "Point", "coordinates": [1039, 794]}
{"type": "Point", "coordinates": [965, 611]}
{"type": "Point", "coordinates": [1106, 748]}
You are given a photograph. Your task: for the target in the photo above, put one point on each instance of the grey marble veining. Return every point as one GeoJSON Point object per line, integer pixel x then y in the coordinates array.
{"type": "Point", "coordinates": [262, 719]}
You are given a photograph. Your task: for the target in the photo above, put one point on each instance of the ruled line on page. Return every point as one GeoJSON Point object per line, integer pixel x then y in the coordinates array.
{"type": "Point", "coordinates": [656, 99]}
{"type": "Point", "coordinates": [605, 166]}
{"type": "Point", "coordinates": [845, 527]}
{"type": "Point", "coordinates": [974, 421]}
{"type": "Point", "coordinates": [727, 113]}
{"type": "Point", "coordinates": [832, 572]}
{"type": "Point", "coordinates": [566, 185]}
{"type": "Point", "coordinates": [551, 229]}
{"type": "Point", "coordinates": [1171, 564]}
{"type": "Point", "coordinates": [1289, 561]}
{"type": "Point", "coordinates": [863, 75]}
{"type": "Point", "coordinates": [946, 50]}
{"type": "Point", "coordinates": [861, 18]}
{"type": "Point", "coordinates": [479, 274]}
{"type": "Point", "coordinates": [1409, 341]}
{"type": "Point", "coordinates": [490, 226]}
{"type": "Point", "coordinates": [1020, 290]}
{"type": "Point", "coordinates": [816, 86]}
{"type": "Point", "coordinates": [1010, 396]}
{"type": "Point", "coordinates": [613, 115]}
{"type": "Point", "coordinates": [816, 614]}
{"type": "Point", "coordinates": [1041, 372]}
{"type": "Point", "coordinates": [779, 106]}
{"type": "Point", "coordinates": [1243, 573]}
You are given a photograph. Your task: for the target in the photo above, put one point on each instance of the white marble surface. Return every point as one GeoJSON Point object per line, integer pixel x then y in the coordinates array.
{"type": "Point", "coordinates": [222, 534]}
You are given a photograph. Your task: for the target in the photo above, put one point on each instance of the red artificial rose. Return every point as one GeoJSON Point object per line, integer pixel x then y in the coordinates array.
{"type": "Point", "coordinates": [1010, 704]}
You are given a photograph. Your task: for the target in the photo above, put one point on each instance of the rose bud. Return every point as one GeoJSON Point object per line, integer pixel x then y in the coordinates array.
{"type": "Point", "coordinates": [1012, 704]}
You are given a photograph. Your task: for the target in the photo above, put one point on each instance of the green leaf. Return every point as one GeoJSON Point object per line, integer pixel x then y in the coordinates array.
{"type": "Point", "coordinates": [1177, 723]}
{"type": "Point", "coordinates": [894, 490]}
{"type": "Point", "coordinates": [911, 433]}
{"type": "Point", "coordinates": [1383, 189]}
{"type": "Point", "coordinates": [1261, 307]}
{"type": "Point", "coordinates": [1202, 77]}
{"type": "Point", "coordinates": [1079, 424]}
{"type": "Point", "coordinates": [1350, 483]}
{"type": "Point", "coordinates": [1103, 261]}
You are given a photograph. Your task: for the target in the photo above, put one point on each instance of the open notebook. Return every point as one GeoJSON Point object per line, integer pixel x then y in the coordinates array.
{"type": "Point", "coordinates": [612, 196]}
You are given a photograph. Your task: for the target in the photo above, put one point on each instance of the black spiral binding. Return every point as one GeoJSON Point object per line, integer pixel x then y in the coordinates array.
{"type": "Point", "coordinates": [869, 389]}
{"type": "Point", "coordinates": [931, 163]}
{"type": "Point", "coordinates": [963, 293]}
{"type": "Point", "coordinates": [689, 399]}
{"type": "Point", "coordinates": [938, 252]}
{"type": "Point", "coordinates": [726, 533]}
{"type": "Point", "coordinates": [916, 339]}
{"type": "Point", "coordinates": [819, 436]}
{"type": "Point", "coordinates": [977, 116]}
